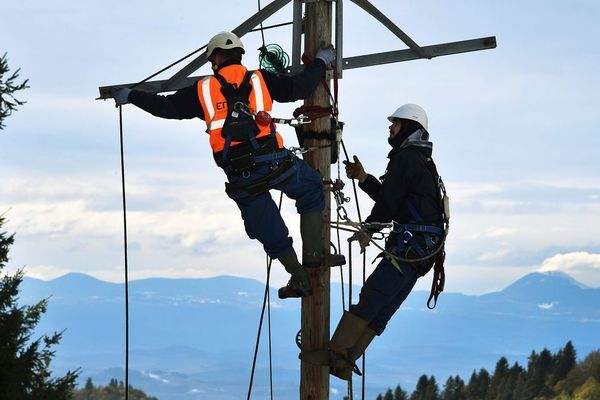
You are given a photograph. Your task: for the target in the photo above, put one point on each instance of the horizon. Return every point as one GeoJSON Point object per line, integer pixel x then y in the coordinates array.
{"type": "Point", "coordinates": [121, 282]}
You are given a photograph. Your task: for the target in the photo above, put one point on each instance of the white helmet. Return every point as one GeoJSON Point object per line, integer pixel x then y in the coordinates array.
{"type": "Point", "coordinates": [224, 40]}
{"type": "Point", "coordinates": [412, 112]}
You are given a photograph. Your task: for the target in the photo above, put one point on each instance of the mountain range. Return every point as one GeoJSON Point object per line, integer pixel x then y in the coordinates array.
{"type": "Point", "coordinates": [195, 338]}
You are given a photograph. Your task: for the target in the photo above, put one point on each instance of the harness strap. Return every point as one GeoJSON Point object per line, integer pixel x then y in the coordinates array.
{"type": "Point", "coordinates": [278, 176]}
{"type": "Point", "coordinates": [228, 89]}
{"type": "Point", "coordinates": [435, 230]}
{"type": "Point", "coordinates": [439, 279]}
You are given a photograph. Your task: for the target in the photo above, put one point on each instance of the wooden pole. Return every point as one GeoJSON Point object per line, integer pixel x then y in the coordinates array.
{"type": "Point", "coordinates": [314, 380]}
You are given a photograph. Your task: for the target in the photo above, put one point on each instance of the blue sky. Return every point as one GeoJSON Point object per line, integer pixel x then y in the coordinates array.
{"type": "Point", "coordinates": [515, 133]}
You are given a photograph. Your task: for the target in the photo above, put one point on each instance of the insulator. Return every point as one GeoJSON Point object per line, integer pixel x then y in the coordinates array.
{"type": "Point", "coordinates": [273, 58]}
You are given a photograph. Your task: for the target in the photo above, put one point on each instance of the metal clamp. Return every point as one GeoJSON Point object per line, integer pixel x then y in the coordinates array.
{"type": "Point", "coordinates": [293, 122]}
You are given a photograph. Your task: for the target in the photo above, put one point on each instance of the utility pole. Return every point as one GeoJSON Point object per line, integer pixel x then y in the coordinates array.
{"type": "Point", "coordinates": [314, 379]}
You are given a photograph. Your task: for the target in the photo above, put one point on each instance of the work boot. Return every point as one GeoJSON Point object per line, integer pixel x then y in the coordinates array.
{"type": "Point", "coordinates": [343, 368]}
{"type": "Point", "coordinates": [313, 253]}
{"type": "Point", "coordinates": [349, 338]}
{"type": "Point", "coordinates": [299, 283]}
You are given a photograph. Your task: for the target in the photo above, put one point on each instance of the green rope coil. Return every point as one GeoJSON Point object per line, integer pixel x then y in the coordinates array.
{"type": "Point", "coordinates": [273, 58]}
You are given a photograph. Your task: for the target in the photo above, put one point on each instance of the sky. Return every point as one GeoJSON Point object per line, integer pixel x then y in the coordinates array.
{"type": "Point", "coordinates": [515, 133]}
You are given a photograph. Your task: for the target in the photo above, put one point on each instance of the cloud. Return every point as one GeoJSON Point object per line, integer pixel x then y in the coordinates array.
{"type": "Point", "coordinates": [575, 262]}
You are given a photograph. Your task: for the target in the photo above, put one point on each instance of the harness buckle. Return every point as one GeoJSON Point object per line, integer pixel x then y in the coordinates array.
{"type": "Point", "coordinates": [295, 122]}
{"type": "Point", "coordinates": [341, 212]}
{"type": "Point", "coordinates": [407, 236]}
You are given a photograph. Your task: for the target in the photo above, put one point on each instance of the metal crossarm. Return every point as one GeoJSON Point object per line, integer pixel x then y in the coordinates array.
{"type": "Point", "coordinates": [182, 79]}
{"type": "Point", "coordinates": [436, 50]}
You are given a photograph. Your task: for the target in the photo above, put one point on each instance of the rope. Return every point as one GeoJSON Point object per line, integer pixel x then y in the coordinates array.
{"type": "Point", "coordinates": [350, 269]}
{"type": "Point", "coordinates": [168, 66]}
{"type": "Point", "coordinates": [125, 255]}
{"type": "Point", "coordinates": [266, 300]}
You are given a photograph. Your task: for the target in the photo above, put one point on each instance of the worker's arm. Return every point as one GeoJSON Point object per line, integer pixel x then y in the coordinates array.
{"type": "Point", "coordinates": [393, 191]}
{"type": "Point", "coordinates": [289, 88]}
{"type": "Point", "coordinates": [183, 104]}
{"type": "Point", "coordinates": [371, 186]}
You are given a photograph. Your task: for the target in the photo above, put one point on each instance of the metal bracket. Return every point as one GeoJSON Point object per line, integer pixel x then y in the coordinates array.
{"type": "Point", "coordinates": [379, 16]}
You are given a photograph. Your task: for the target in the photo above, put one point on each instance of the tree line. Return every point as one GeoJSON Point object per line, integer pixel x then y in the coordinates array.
{"type": "Point", "coordinates": [115, 390]}
{"type": "Point", "coordinates": [547, 376]}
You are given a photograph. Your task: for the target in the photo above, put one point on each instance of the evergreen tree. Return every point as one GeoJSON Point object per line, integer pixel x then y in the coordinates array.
{"type": "Point", "coordinates": [498, 378]}
{"type": "Point", "coordinates": [388, 395]}
{"type": "Point", "coordinates": [8, 88]}
{"type": "Point", "coordinates": [454, 389]}
{"type": "Point", "coordinates": [25, 362]}
{"type": "Point", "coordinates": [478, 385]}
{"type": "Point", "coordinates": [400, 394]}
{"type": "Point", "coordinates": [520, 387]}
{"type": "Point", "coordinates": [427, 389]}
{"type": "Point", "coordinates": [564, 361]}
{"type": "Point", "coordinates": [539, 369]}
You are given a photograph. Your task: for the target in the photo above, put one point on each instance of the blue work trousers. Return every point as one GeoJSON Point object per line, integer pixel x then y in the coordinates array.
{"type": "Point", "coordinates": [383, 293]}
{"type": "Point", "coordinates": [262, 219]}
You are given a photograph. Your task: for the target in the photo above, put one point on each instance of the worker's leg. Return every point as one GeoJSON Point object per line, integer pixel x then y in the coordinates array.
{"type": "Point", "coordinates": [306, 188]}
{"type": "Point", "coordinates": [263, 222]}
{"type": "Point", "coordinates": [383, 293]}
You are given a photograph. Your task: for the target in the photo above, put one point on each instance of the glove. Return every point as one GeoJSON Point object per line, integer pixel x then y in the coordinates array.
{"type": "Point", "coordinates": [364, 239]}
{"type": "Point", "coordinates": [355, 170]}
{"type": "Point", "coordinates": [327, 54]}
{"type": "Point", "coordinates": [121, 96]}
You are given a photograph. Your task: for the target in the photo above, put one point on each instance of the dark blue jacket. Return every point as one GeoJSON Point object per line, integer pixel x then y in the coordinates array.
{"type": "Point", "coordinates": [407, 177]}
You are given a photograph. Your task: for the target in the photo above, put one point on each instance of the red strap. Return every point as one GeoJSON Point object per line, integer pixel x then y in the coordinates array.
{"type": "Point", "coordinates": [439, 278]}
{"type": "Point", "coordinates": [334, 108]}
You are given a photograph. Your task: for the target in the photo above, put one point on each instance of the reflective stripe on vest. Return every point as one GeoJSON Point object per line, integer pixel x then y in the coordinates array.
{"type": "Point", "coordinates": [214, 104]}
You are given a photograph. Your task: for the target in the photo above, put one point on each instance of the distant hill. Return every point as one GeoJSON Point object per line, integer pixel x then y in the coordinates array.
{"type": "Point", "coordinates": [194, 338]}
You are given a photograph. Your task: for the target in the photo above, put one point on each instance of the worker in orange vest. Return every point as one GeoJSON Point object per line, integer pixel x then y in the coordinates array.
{"type": "Point", "coordinates": [234, 102]}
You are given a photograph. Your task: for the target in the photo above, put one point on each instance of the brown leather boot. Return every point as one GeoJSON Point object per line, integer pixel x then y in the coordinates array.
{"type": "Point", "coordinates": [299, 283]}
{"type": "Point", "coordinates": [340, 354]}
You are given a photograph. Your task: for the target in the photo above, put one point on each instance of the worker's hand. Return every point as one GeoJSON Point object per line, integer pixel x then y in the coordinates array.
{"type": "Point", "coordinates": [355, 170]}
{"type": "Point", "coordinates": [363, 238]}
{"type": "Point", "coordinates": [121, 96]}
{"type": "Point", "coordinates": [326, 53]}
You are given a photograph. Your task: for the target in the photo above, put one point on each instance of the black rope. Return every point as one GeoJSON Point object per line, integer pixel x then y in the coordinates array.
{"type": "Point", "coordinates": [364, 268]}
{"type": "Point", "coordinates": [266, 300]}
{"type": "Point", "coordinates": [270, 341]}
{"type": "Point", "coordinates": [125, 254]}
{"type": "Point", "coordinates": [262, 315]}
{"type": "Point", "coordinates": [262, 30]}
{"type": "Point", "coordinates": [168, 66]}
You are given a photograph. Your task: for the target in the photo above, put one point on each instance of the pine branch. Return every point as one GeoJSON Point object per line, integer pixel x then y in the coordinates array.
{"type": "Point", "coordinates": [8, 88]}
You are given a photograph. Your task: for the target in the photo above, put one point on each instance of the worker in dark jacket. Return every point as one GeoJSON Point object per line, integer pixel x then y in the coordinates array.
{"type": "Point", "coordinates": [251, 151]}
{"type": "Point", "coordinates": [407, 194]}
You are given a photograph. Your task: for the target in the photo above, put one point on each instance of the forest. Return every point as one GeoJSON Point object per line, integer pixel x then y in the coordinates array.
{"type": "Point", "coordinates": [547, 376]}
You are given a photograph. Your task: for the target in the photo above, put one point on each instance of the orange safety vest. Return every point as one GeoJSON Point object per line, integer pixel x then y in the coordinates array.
{"type": "Point", "coordinates": [214, 103]}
